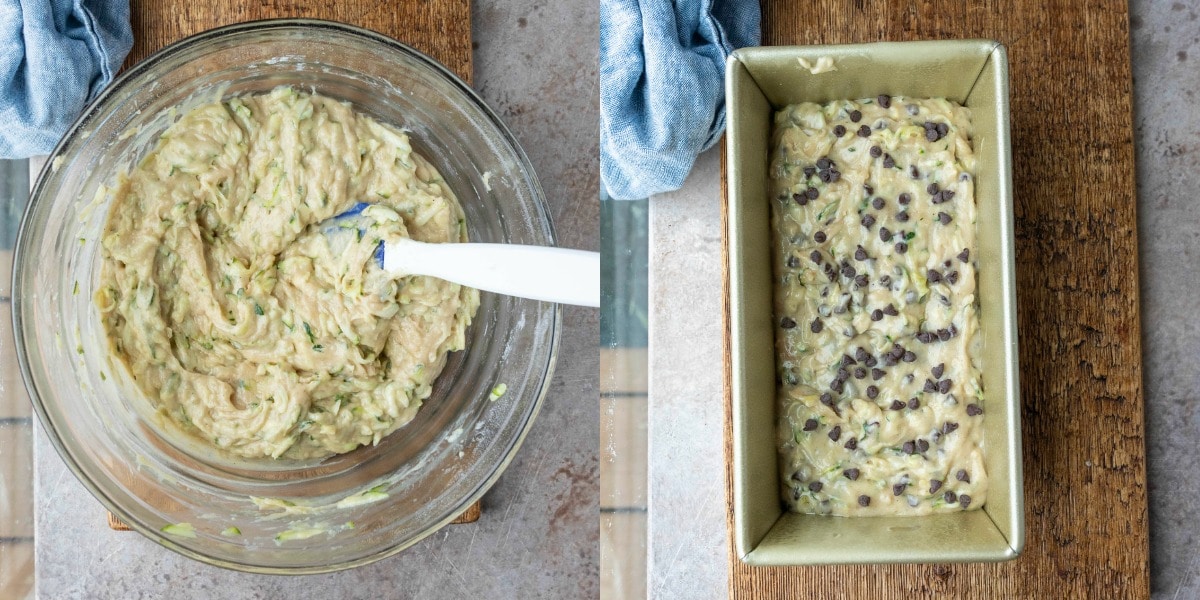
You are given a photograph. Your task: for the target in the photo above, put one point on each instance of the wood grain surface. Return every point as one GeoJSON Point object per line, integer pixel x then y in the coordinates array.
{"type": "Point", "coordinates": [439, 28]}
{"type": "Point", "coordinates": [1077, 294]}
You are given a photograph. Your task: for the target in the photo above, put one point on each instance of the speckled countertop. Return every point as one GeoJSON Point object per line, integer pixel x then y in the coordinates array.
{"type": "Point", "coordinates": [687, 532]}
{"type": "Point", "coordinates": [539, 535]}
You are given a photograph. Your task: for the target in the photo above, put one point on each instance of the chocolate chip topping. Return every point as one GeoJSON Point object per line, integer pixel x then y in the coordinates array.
{"type": "Point", "coordinates": [973, 410]}
{"type": "Point", "coordinates": [864, 501]}
{"type": "Point", "coordinates": [884, 100]}
{"type": "Point", "coordinates": [876, 315]}
{"type": "Point", "coordinates": [872, 392]}
{"type": "Point", "coordinates": [950, 497]}
{"type": "Point", "coordinates": [905, 198]}
{"type": "Point", "coordinates": [864, 131]}
{"type": "Point", "coordinates": [963, 476]}
{"type": "Point", "coordinates": [897, 405]}
{"type": "Point", "coordinates": [855, 116]}
{"type": "Point", "coordinates": [878, 203]}
{"type": "Point", "coordinates": [877, 374]}
{"type": "Point", "coordinates": [890, 310]}
{"type": "Point", "coordinates": [914, 403]}
{"type": "Point", "coordinates": [938, 370]}
{"type": "Point", "coordinates": [944, 218]}
{"type": "Point", "coordinates": [876, 151]}
{"type": "Point", "coordinates": [851, 474]}
{"type": "Point", "coordinates": [909, 356]}
{"type": "Point", "coordinates": [839, 130]}
{"type": "Point", "coordinates": [835, 433]}
{"type": "Point", "coordinates": [787, 323]}
{"type": "Point", "coordinates": [811, 425]}
{"type": "Point", "coordinates": [820, 237]}
{"type": "Point", "coordinates": [964, 255]}
{"type": "Point", "coordinates": [861, 354]}
{"type": "Point", "coordinates": [949, 427]}
{"type": "Point", "coordinates": [860, 253]}
{"type": "Point", "coordinates": [889, 162]}
{"type": "Point", "coordinates": [815, 255]}
{"type": "Point", "coordinates": [885, 234]}
{"type": "Point", "coordinates": [909, 447]}
{"type": "Point", "coordinates": [922, 445]}
{"type": "Point", "coordinates": [902, 216]}
{"type": "Point", "coordinates": [868, 221]}
{"type": "Point", "coordinates": [860, 373]}
{"type": "Point", "coordinates": [816, 326]}
{"type": "Point", "coordinates": [944, 386]}
{"type": "Point", "coordinates": [901, 247]}
{"type": "Point", "coordinates": [815, 487]}
{"type": "Point", "coordinates": [851, 444]}
{"type": "Point", "coordinates": [898, 489]}
{"type": "Point", "coordinates": [934, 485]}
{"type": "Point", "coordinates": [964, 500]}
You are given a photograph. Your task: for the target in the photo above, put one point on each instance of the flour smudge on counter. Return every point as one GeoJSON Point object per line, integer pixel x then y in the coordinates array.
{"type": "Point", "coordinates": [234, 316]}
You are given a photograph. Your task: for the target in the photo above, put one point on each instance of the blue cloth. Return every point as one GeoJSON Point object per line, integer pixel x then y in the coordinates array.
{"type": "Point", "coordinates": [55, 56]}
{"type": "Point", "coordinates": [662, 90]}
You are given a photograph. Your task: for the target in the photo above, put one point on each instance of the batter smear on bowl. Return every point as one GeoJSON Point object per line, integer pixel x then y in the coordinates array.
{"type": "Point", "coordinates": [877, 330]}
{"type": "Point", "coordinates": [222, 297]}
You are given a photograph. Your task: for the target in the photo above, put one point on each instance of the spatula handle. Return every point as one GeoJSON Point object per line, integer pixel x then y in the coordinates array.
{"type": "Point", "coordinates": [536, 272]}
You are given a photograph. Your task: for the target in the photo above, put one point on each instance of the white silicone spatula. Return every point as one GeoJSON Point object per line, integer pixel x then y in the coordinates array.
{"type": "Point", "coordinates": [536, 272]}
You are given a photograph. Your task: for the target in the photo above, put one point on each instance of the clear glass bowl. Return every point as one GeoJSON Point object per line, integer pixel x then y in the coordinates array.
{"type": "Point", "coordinates": [105, 429]}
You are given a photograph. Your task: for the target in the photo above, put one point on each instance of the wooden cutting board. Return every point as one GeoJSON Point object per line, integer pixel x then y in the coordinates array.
{"type": "Point", "coordinates": [1077, 294]}
{"type": "Point", "coordinates": [439, 28]}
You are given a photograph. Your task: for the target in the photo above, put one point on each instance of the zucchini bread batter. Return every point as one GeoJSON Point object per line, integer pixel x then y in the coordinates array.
{"type": "Point", "coordinates": [225, 301]}
{"type": "Point", "coordinates": [873, 212]}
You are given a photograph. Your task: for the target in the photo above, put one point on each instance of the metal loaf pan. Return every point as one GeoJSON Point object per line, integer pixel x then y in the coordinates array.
{"type": "Point", "coordinates": [759, 81]}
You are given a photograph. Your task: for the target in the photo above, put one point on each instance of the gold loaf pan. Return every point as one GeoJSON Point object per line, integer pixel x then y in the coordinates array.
{"type": "Point", "coordinates": [758, 82]}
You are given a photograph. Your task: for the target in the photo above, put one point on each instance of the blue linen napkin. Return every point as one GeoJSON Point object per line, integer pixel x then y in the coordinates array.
{"type": "Point", "coordinates": [662, 91]}
{"type": "Point", "coordinates": [55, 56]}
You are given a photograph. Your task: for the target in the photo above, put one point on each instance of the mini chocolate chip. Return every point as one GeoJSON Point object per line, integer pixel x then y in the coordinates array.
{"type": "Point", "coordinates": [787, 323]}
{"type": "Point", "coordinates": [890, 310]}
{"type": "Point", "coordinates": [878, 203]}
{"type": "Point", "coordinates": [876, 151]}
{"type": "Point", "coordinates": [943, 334]}
{"type": "Point", "coordinates": [816, 326]}
{"type": "Point", "coordinates": [860, 253]}
{"type": "Point", "coordinates": [944, 386]}
{"type": "Point", "coordinates": [898, 489]}
{"type": "Point", "coordinates": [947, 195]}
{"type": "Point", "coordinates": [802, 200]}
{"type": "Point", "coordinates": [843, 374]}
{"type": "Point", "coordinates": [861, 281]}
{"type": "Point", "coordinates": [897, 351]}
{"type": "Point", "coordinates": [964, 500]}
{"type": "Point", "coordinates": [838, 385]}
{"type": "Point", "coordinates": [876, 315]}
{"type": "Point", "coordinates": [860, 373]}
{"type": "Point", "coordinates": [925, 337]}
{"type": "Point", "coordinates": [827, 399]}
{"type": "Point", "coordinates": [855, 116]}
{"type": "Point", "coordinates": [949, 427]}
{"type": "Point", "coordinates": [835, 433]}
{"type": "Point", "coordinates": [848, 360]}
{"type": "Point", "coordinates": [815, 256]}
{"type": "Point", "coordinates": [964, 255]}
{"type": "Point", "coordinates": [932, 189]}
{"type": "Point", "coordinates": [868, 189]}
{"type": "Point", "coordinates": [820, 237]}
{"type": "Point", "coordinates": [809, 172]}
{"type": "Point", "coordinates": [839, 130]}
{"type": "Point", "coordinates": [884, 100]}
{"type": "Point", "coordinates": [872, 392]}
{"type": "Point", "coordinates": [793, 262]}
{"type": "Point", "coordinates": [890, 360]}
{"type": "Point", "coordinates": [913, 172]}
{"type": "Point", "coordinates": [868, 221]}
{"type": "Point", "coordinates": [934, 485]}
{"type": "Point", "coordinates": [974, 410]}
{"type": "Point", "coordinates": [885, 234]}
{"type": "Point", "coordinates": [864, 131]}
{"type": "Point", "coordinates": [909, 356]}
{"type": "Point", "coordinates": [888, 161]}
{"type": "Point", "coordinates": [901, 247]}
{"type": "Point", "coordinates": [834, 175]}
{"type": "Point", "coordinates": [864, 501]}
{"type": "Point", "coordinates": [930, 386]}
{"type": "Point", "coordinates": [938, 370]}
{"type": "Point", "coordinates": [963, 476]}
{"type": "Point", "coordinates": [877, 374]}
{"type": "Point", "coordinates": [952, 277]}
{"type": "Point", "coordinates": [810, 425]}
{"type": "Point", "coordinates": [933, 276]}
{"type": "Point", "coordinates": [922, 445]}
{"type": "Point", "coordinates": [913, 403]}
{"type": "Point", "coordinates": [909, 448]}
{"type": "Point", "coordinates": [861, 353]}
{"type": "Point", "coordinates": [905, 198]}
{"type": "Point", "coordinates": [931, 135]}
{"type": "Point", "coordinates": [946, 264]}
{"type": "Point", "coordinates": [950, 497]}
{"type": "Point", "coordinates": [848, 270]}
{"type": "Point", "coordinates": [902, 216]}
{"type": "Point", "coordinates": [815, 487]}
{"type": "Point", "coordinates": [851, 474]}
{"type": "Point", "coordinates": [825, 176]}
{"type": "Point", "coordinates": [942, 129]}
{"type": "Point", "coordinates": [897, 405]}
{"type": "Point", "coordinates": [824, 162]}
{"type": "Point", "coordinates": [944, 218]}
{"type": "Point", "coordinates": [851, 444]}
{"type": "Point", "coordinates": [812, 193]}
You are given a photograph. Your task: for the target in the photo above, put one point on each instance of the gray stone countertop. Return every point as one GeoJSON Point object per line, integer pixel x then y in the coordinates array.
{"type": "Point", "coordinates": [688, 542]}
{"type": "Point", "coordinates": [535, 63]}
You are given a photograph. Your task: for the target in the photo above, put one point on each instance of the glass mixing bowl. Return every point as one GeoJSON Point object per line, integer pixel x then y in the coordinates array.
{"type": "Point", "coordinates": [278, 516]}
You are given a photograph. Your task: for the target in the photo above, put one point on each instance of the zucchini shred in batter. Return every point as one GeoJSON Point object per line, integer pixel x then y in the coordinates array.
{"type": "Point", "coordinates": [222, 297]}
{"type": "Point", "coordinates": [876, 318]}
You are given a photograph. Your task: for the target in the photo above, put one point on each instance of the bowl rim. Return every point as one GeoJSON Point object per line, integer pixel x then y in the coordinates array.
{"type": "Point", "coordinates": [131, 74]}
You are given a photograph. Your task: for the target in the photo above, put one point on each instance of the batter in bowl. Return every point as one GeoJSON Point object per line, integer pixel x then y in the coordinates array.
{"type": "Point", "coordinates": [226, 303]}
